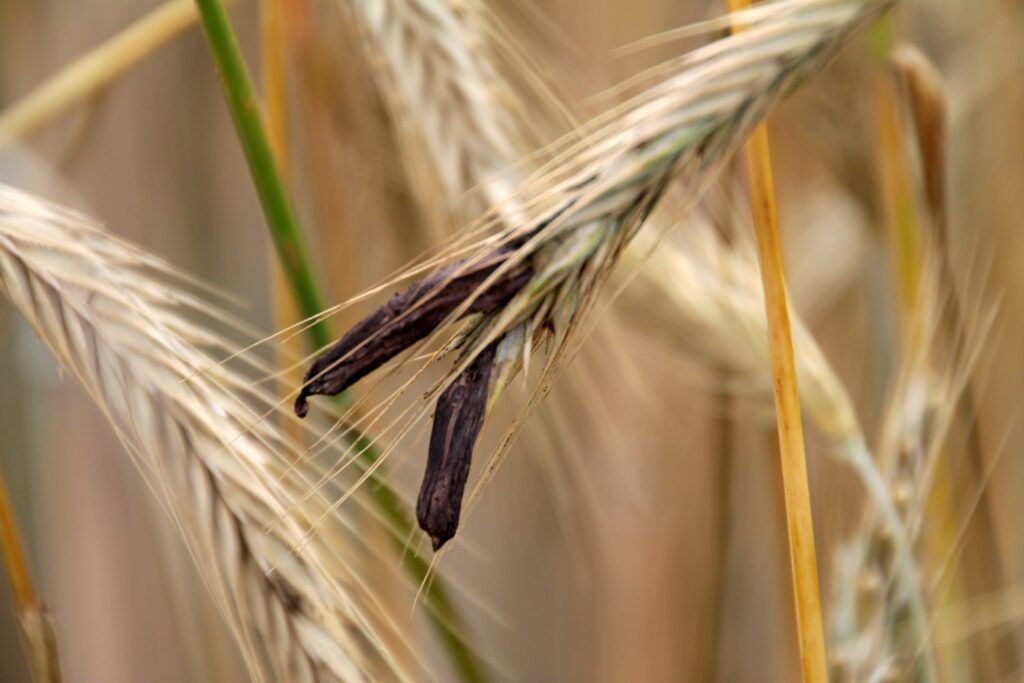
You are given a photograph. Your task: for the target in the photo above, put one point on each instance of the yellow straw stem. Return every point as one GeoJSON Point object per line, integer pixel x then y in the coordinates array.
{"type": "Point", "coordinates": [34, 627]}
{"type": "Point", "coordinates": [898, 199]}
{"type": "Point", "coordinates": [93, 71]}
{"type": "Point", "coordinates": [13, 556]}
{"type": "Point", "coordinates": [796, 494]}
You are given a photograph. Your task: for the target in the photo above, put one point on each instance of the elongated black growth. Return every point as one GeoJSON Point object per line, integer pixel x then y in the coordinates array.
{"type": "Point", "coordinates": [457, 422]}
{"type": "Point", "coordinates": [407, 318]}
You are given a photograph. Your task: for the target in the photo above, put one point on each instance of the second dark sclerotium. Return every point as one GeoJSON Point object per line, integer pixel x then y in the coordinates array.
{"type": "Point", "coordinates": [407, 318]}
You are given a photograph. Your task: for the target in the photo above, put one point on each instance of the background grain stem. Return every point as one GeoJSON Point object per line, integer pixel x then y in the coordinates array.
{"type": "Point", "coordinates": [94, 70]}
{"type": "Point", "coordinates": [37, 635]}
{"type": "Point", "coordinates": [293, 255]}
{"type": "Point", "coordinates": [796, 493]}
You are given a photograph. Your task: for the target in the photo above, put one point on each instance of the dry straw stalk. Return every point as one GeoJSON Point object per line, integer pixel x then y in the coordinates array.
{"type": "Point", "coordinates": [796, 493]}
{"type": "Point", "coordinates": [34, 625]}
{"type": "Point", "coordinates": [94, 70]}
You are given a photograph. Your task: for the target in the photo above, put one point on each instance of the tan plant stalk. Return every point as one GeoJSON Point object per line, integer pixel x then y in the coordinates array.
{"type": "Point", "coordinates": [898, 197]}
{"type": "Point", "coordinates": [925, 91]}
{"type": "Point", "coordinates": [275, 97]}
{"type": "Point", "coordinates": [91, 72]}
{"type": "Point", "coordinates": [34, 624]}
{"type": "Point", "coordinates": [796, 492]}
{"type": "Point", "coordinates": [107, 313]}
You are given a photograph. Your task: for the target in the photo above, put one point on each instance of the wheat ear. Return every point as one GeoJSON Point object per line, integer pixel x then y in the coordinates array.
{"type": "Point", "coordinates": [586, 206]}
{"type": "Point", "coordinates": [879, 631]}
{"type": "Point", "coordinates": [104, 312]}
{"type": "Point", "coordinates": [446, 99]}
{"type": "Point", "coordinates": [570, 221]}
{"type": "Point", "coordinates": [711, 295]}
{"type": "Point", "coordinates": [440, 81]}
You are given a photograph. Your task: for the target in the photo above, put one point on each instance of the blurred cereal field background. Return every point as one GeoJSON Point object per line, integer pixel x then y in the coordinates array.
{"type": "Point", "coordinates": [635, 532]}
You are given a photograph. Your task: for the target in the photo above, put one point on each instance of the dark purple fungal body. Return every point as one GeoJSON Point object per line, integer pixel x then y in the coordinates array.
{"type": "Point", "coordinates": [409, 317]}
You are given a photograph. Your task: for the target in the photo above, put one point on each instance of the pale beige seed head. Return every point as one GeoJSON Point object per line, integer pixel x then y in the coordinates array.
{"type": "Point", "coordinates": [729, 320]}
{"type": "Point", "coordinates": [112, 320]}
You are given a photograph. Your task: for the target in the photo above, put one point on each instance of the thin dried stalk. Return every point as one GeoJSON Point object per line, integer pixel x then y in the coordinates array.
{"type": "Point", "coordinates": [926, 92]}
{"type": "Point", "coordinates": [93, 71]}
{"type": "Point", "coordinates": [226, 476]}
{"type": "Point", "coordinates": [796, 493]}
{"type": "Point", "coordinates": [898, 197]}
{"type": "Point", "coordinates": [34, 625]}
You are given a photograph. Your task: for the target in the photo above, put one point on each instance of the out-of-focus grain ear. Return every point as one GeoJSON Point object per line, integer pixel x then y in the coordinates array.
{"type": "Point", "coordinates": [925, 90]}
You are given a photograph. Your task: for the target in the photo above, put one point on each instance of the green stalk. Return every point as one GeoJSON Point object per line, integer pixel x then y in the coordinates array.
{"type": "Point", "coordinates": [441, 610]}
{"type": "Point", "coordinates": [294, 256]}
{"type": "Point", "coordinates": [281, 220]}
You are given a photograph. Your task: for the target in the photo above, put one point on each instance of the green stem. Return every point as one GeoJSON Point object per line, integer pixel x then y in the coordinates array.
{"type": "Point", "coordinates": [281, 219]}
{"type": "Point", "coordinates": [440, 608]}
{"type": "Point", "coordinates": [294, 256]}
